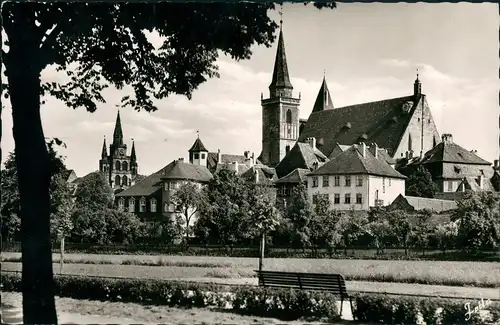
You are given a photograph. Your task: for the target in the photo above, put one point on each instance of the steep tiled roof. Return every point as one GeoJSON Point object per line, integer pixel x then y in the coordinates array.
{"type": "Point", "coordinates": [226, 159]}
{"type": "Point", "coordinates": [241, 167]}
{"type": "Point", "coordinates": [451, 152]}
{"type": "Point", "coordinates": [185, 171]}
{"type": "Point", "coordinates": [198, 146]}
{"type": "Point", "coordinates": [421, 203]}
{"type": "Point", "coordinates": [472, 184]}
{"type": "Point", "coordinates": [147, 186]}
{"type": "Point", "coordinates": [267, 175]}
{"type": "Point", "coordinates": [382, 122]}
{"type": "Point", "coordinates": [339, 148]}
{"type": "Point", "coordinates": [302, 155]}
{"type": "Point", "coordinates": [281, 77]}
{"type": "Point", "coordinates": [324, 100]}
{"type": "Point", "coordinates": [295, 177]}
{"type": "Point", "coordinates": [353, 162]}
{"type": "Point", "coordinates": [66, 174]}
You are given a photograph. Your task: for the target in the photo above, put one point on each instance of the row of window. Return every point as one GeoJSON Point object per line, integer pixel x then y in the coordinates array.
{"type": "Point", "coordinates": [142, 204]}
{"type": "Point", "coordinates": [119, 166]}
{"type": "Point", "coordinates": [197, 156]}
{"type": "Point", "coordinates": [336, 181]}
{"type": "Point", "coordinates": [347, 198]}
{"type": "Point", "coordinates": [122, 180]}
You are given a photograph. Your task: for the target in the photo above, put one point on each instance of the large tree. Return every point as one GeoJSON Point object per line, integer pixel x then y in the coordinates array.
{"type": "Point", "coordinates": [225, 210]}
{"type": "Point", "coordinates": [107, 45]}
{"type": "Point", "coordinates": [187, 199]}
{"type": "Point", "coordinates": [478, 217]}
{"type": "Point", "coordinates": [420, 183]}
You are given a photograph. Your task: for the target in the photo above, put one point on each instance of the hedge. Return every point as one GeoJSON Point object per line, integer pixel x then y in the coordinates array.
{"type": "Point", "coordinates": [285, 304]}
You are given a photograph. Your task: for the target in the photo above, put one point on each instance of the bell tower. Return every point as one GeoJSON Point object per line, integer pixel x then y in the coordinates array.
{"type": "Point", "coordinates": [280, 112]}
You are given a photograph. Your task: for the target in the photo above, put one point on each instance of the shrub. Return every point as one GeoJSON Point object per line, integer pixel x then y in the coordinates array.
{"type": "Point", "coordinates": [285, 304]}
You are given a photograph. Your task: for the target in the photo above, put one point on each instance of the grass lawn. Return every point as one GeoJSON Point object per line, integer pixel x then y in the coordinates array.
{"type": "Point", "coordinates": [87, 311]}
{"type": "Point", "coordinates": [451, 273]}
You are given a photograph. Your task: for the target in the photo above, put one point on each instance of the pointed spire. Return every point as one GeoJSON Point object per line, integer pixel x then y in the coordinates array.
{"type": "Point", "coordinates": [281, 80]}
{"type": "Point", "coordinates": [104, 152]}
{"type": "Point", "coordinates": [198, 146]}
{"type": "Point", "coordinates": [133, 157]}
{"type": "Point", "coordinates": [324, 100]}
{"type": "Point", "coordinates": [417, 87]}
{"type": "Point", "coordinates": [118, 133]}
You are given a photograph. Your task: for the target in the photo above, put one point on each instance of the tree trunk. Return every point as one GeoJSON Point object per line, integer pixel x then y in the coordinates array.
{"type": "Point", "coordinates": [262, 249]}
{"type": "Point", "coordinates": [61, 262]}
{"type": "Point", "coordinates": [33, 168]}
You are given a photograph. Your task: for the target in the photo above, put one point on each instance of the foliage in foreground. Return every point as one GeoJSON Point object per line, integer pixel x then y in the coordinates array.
{"type": "Point", "coordinates": [286, 304]}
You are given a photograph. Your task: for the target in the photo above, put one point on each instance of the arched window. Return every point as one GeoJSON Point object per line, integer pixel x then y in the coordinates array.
{"type": "Point", "coordinates": [131, 204]}
{"type": "Point", "coordinates": [117, 180]}
{"type": "Point", "coordinates": [409, 142]}
{"type": "Point", "coordinates": [153, 205]}
{"type": "Point", "coordinates": [121, 203]}
{"type": "Point", "coordinates": [125, 181]}
{"type": "Point", "coordinates": [142, 204]}
{"type": "Point", "coordinates": [124, 166]}
{"type": "Point", "coordinates": [289, 116]}
{"type": "Point", "coordinates": [118, 165]}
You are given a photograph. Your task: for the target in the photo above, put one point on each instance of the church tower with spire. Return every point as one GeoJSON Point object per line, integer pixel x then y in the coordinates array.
{"type": "Point", "coordinates": [280, 112]}
{"type": "Point", "coordinates": [120, 168]}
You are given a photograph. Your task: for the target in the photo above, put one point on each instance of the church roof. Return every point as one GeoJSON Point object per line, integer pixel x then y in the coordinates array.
{"type": "Point", "coordinates": [353, 162]}
{"type": "Point", "coordinates": [302, 155]}
{"type": "Point", "coordinates": [324, 100]}
{"type": "Point", "coordinates": [281, 78]}
{"type": "Point", "coordinates": [198, 146]}
{"type": "Point", "coordinates": [295, 177]}
{"type": "Point", "coordinates": [118, 132]}
{"type": "Point", "coordinates": [383, 122]}
{"type": "Point", "coordinates": [451, 152]}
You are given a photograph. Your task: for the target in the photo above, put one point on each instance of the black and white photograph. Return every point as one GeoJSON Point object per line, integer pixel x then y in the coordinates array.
{"type": "Point", "coordinates": [250, 163]}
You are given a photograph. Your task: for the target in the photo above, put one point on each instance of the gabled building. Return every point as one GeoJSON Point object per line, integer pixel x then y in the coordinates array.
{"type": "Point", "coordinates": [356, 179]}
{"type": "Point", "coordinates": [453, 168]}
{"type": "Point", "coordinates": [150, 199]}
{"type": "Point", "coordinates": [303, 156]}
{"type": "Point", "coordinates": [214, 161]}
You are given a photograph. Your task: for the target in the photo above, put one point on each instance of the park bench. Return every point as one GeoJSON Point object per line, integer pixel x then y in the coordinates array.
{"type": "Point", "coordinates": [333, 283]}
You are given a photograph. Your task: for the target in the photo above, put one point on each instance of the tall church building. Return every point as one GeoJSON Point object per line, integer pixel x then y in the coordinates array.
{"type": "Point", "coordinates": [280, 112]}
{"type": "Point", "coordinates": [120, 168]}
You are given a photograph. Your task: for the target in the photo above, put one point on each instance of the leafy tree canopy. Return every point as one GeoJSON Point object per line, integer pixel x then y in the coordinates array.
{"type": "Point", "coordinates": [420, 184]}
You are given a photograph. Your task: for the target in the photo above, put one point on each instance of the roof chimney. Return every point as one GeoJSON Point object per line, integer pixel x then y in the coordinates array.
{"type": "Point", "coordinates": [363, 149]}
{"type": "Point", "coordinates": [256, 173]}
{"type": "Point", "coordinates": [181, 159]}
{"type": "Point", "coordinates": [219, 156]}
{"type": "Point", "coordinates": [447, 138]}
{"type": "Point", "coordinates": [312, 142]}
{"type": "Point", "coordinates": [496, 163]}
{"type": "Point", "coordinates": [374, 150]}
{"type": "Point", "coordinates": [253, 158]}
{"type": "Point", "coordinates": [235, 164]}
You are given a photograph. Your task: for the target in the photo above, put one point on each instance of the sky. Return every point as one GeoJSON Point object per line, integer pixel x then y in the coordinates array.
{"type": "Point", "coordinates": [368, 52]}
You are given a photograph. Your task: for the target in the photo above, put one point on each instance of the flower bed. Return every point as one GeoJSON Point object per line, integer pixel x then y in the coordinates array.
{"type": "Point", "coordinates": [286, 304]}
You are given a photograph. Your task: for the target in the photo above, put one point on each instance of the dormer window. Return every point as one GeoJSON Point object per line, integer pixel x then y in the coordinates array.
{"type": "Point", "coordinates": [457, 169]}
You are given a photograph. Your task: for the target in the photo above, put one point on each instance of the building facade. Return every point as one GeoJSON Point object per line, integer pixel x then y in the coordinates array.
{"type": "Point", "coordinates": [356, 180]}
